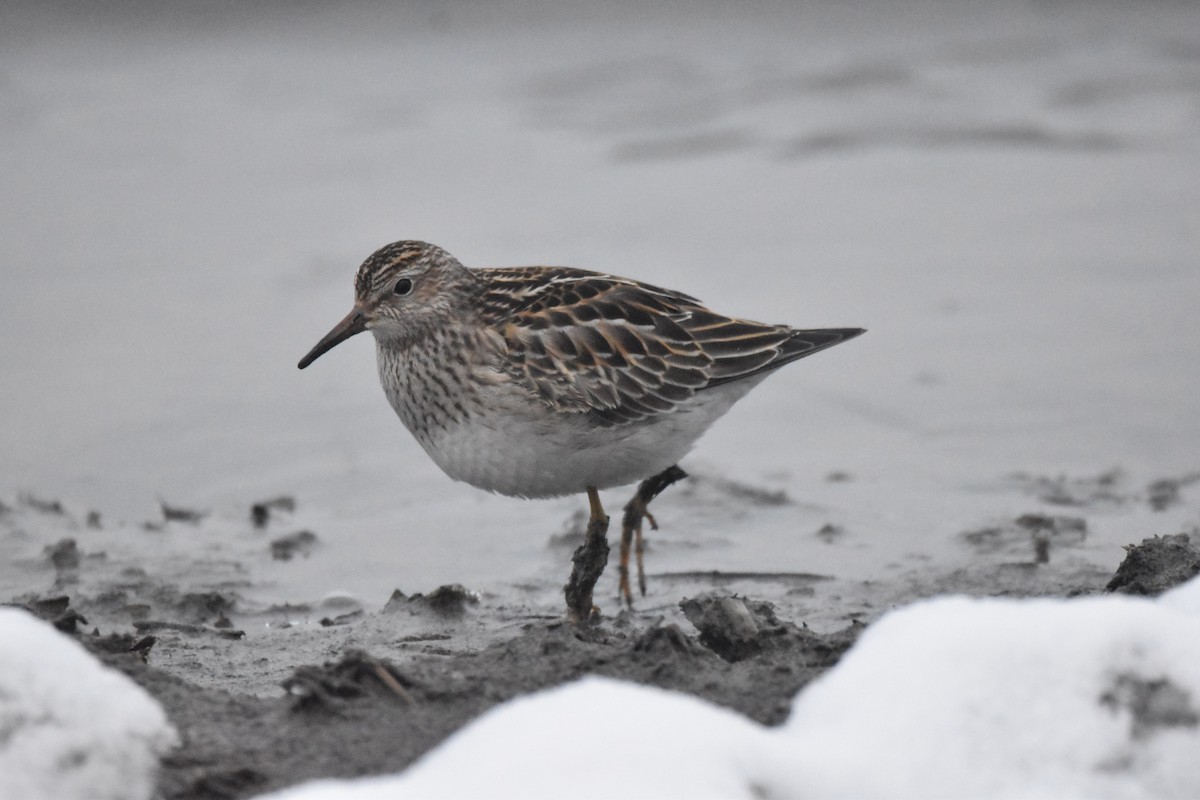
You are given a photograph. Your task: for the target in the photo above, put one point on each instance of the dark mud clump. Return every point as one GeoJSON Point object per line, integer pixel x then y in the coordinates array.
{"type": "Point", "coordinates": [171, 513]}
{"type": "Point", "coordinates": [300, 543]}
{"type": "Point", "coordinates": [57, 611]}
{"type": "Point", "coordinates": [41, 505]}
{"type": "Point", "coordinates": [63, 555]}
{"type": "Point", "coordinates": [262, 511]}
{"type": "Point", "coordinates": [736, 628]}
{"type": "Point", "coordinates": [1166, 492]}
{"type": "Point", "coordinates": [1157, 564]}
{"type": "Point", "coordinates": [446, 601]}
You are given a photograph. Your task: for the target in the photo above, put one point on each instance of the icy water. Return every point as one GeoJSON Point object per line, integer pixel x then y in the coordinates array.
{"type": "Point", "coordinates": [1006, 195]}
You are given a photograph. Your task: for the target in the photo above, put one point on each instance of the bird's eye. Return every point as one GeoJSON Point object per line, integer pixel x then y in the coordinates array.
{"type": "Point", "coordinates": [403, 286]}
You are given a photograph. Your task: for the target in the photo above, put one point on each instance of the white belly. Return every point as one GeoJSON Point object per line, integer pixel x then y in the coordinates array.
{"type": "Point", "coordinates": [526, 452]}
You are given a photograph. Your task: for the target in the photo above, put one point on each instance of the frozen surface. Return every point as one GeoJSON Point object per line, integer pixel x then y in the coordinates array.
{"type": "Point", "coordinates": [947, 698]}
{"type": "Point", "coordinates": [993, 698]}
{"type": "Point", "coordinates": [1185, 597]}
{"type": "Point", "coordinates": [558, 742]}
{"type": "Point", "coordinates": [1004, 194]}
{"type": "Point", "coordinates": [70, 727]}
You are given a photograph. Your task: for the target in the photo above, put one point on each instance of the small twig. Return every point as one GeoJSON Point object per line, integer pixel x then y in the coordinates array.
{"type": "Point", "coordinates": [389, 680]}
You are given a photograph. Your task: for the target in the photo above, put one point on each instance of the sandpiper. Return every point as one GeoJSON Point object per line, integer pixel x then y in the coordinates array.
{"type": "Point", "coordinates": [548, 381]}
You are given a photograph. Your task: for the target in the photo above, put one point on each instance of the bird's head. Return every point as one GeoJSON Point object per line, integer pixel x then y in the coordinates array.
{"type": "Point", "coordinates": [401, 292]}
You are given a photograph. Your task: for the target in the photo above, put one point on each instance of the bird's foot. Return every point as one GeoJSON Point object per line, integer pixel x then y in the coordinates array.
{"type": "Point", "coordinates": [631, 527]}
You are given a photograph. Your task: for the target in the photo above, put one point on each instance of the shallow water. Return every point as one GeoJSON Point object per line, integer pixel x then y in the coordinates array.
{"type": "Point", "coordinates": [1004, 194]}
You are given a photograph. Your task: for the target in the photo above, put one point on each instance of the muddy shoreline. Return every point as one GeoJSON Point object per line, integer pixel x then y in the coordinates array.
{"type": "Point", "coordinates": [357, 713]}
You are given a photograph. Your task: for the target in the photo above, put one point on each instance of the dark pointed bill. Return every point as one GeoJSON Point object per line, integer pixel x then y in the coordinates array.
{"type": "Point", "coordinates": [355, 322]}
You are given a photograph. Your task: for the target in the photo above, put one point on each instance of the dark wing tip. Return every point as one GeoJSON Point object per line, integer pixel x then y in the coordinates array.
{"type": "Point", "coordinates": [805, 342]}
{"type": "Point", "coordinates": [842, 334]}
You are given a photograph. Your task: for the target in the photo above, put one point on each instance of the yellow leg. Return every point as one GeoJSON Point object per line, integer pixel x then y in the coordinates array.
{"type": "Point", "coordinates": [640, 549]}
{"type": "Point", "coordinates": [631, 527]}
{"type": "Point", "coordinates": [594, 502]}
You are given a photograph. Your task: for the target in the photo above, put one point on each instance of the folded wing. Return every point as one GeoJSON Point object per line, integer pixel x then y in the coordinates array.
{"type": "Point", "coordinates": [621, 350]}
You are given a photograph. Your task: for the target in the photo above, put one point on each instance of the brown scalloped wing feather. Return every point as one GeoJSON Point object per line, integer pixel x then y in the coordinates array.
{"type": "Point", "coordinates": [622, 350]}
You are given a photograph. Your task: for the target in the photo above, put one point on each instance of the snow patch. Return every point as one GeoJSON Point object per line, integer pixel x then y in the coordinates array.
{"type": "Point", "coordinates": [69, 726]}
{"type": "Point", "coordinates": [595, 738]}
{"type": "Point", "coordinates": [994, 698]}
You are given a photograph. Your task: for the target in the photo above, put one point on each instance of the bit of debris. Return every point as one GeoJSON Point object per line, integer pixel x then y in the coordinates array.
{"type": "Point", "coordinates": [323, 687]}
{"type": "Point", "coordinates": [63, 554]}
{"type": "Point", "coordinates": [260, 513]}
{"type": "Point", "coordinates": [38, 504]}
{"type": "Point", "coordinates": [1164, 492]}
{"type": "Point", "coordinates": [1041, 548]}
{"type": "Point", "coordinates": [1043, 531]}
{"type": "Point", "coordinates": [287, 610]}
{"type": "Point", "coordinates": [1106, 489]}
{"type": "Point", "coordinates": [70, 621]}
{"type": "Point", "coordinates": [196, 606]}
{"type": "Point", "coordinates": [47, 607]}
{"type": "Point", "coordinates": [451, 600]}
{"type": "Point", "coordinates": [142, 646]}
{"type": "Point", "coordinates": [287, 547]}
{"type": "Point", "coordinates": [341, 619]}
{"type": "Point", "coordinates": [123, 643]}
{"type": "Point", "coordinates": [830, 533]}
{"type": "Point", "coordinates": [152, 625]}
{"type": "Point", "coordinates": [1075, 527]}
{"type": "Point", "coordinates": [180, 514]}
{"type": "Point", "coordinates": [55, 610]}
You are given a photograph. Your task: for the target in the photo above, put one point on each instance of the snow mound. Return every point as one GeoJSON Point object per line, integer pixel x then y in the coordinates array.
{"type": "Point", "coordinates": [992, 698]}
{"type": "Point", "coordinates": [595, 738]}
{"type": "Point", "coordinates": [69, 726]}
{"type": "Point", "coordinates": [1185, 597]}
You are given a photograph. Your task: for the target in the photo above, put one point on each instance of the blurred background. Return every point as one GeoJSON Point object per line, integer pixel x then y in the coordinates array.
{"type": "Point", "coordinates": [1006, 194]}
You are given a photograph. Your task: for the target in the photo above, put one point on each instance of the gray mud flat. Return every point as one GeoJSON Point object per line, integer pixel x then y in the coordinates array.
{"type": "Point", "coordinates": [358, 714]}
